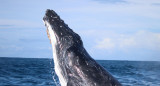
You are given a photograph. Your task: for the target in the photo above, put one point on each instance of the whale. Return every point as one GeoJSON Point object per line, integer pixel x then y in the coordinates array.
{"type": "Point", "coordinates": [72, 63]}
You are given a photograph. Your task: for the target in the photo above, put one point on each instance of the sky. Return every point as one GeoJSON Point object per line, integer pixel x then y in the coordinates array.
{"type": "Point", "coordinates": [110, 29]}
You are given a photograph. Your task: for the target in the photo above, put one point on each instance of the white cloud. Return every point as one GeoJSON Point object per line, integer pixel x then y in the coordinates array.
{"type": "Point", "coordinates": [143, 1]}
{"type": "Point", "coordinates": [11, 47]}
{"type": "Point", "coordinates": [106, 43]}
{"type": "Point", "coordinates": [139, 40]}
{"type": "Point", "coordinates": [11, 23]}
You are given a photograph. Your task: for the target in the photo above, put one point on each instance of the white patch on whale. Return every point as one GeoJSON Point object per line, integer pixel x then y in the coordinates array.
{"type": "Point", "coordinates": [56, 61]}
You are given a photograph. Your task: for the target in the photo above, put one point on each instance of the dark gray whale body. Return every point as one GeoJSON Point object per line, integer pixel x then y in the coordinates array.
{"type": "Point", "coordinates": [73, 65]}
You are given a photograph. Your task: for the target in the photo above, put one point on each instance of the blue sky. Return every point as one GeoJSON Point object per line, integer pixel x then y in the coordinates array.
{"type": "Point", "coordinates": [110, 29]}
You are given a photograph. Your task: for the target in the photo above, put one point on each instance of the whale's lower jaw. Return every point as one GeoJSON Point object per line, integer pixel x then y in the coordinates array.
{"type": "Point", "coordinates": [73, 65]}
{"type": "Point", "coordinates": [53, 41]}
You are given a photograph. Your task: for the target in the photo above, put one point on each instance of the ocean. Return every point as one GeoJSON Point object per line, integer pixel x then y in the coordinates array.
{"type": "Point", "coordinates": [40, 72]}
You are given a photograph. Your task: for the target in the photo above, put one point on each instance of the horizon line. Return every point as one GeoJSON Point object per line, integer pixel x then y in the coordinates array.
{"type": "Point", "coordinates": [95, 59]}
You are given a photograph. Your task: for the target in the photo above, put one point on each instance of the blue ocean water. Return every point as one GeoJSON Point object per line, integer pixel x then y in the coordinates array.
{"type": "Point", "coordinates": [40, 72]}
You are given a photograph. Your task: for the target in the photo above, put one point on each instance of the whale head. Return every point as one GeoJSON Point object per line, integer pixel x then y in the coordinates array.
{"type": "Point", "coordinates": [63, 35]}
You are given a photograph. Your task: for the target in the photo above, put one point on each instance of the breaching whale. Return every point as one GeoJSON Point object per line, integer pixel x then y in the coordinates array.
{"type": "Point", "coordinates": [73, 65]}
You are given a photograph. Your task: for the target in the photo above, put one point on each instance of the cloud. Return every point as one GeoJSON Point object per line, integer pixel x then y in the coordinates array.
{"type": "Point", "coordinates": [24, 42]}
{"type": "Point", "coordinates": [111, 1]}
{"type": "Point", "coordinates": [11, 47]}
{"type": "Point", "coordinates": [143, 1]}
{"type": "Point", "coordinates": [139, 40]}
{"type": "Point", "coordinates": [156, 4]}
{"type": "Point", "coordinates": [106, 43]}
{"type": "Point", "coordinates": [5, 25]}
{"type": "Point", "coordinates": [11, 23]}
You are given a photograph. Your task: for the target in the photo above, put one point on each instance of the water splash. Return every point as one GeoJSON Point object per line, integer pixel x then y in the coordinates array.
{"type": "Point", "coordinates": [54, 76]}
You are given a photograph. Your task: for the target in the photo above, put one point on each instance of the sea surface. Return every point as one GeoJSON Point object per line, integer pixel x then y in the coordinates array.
{"type": "Point", "coordinates": [40, 72]}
